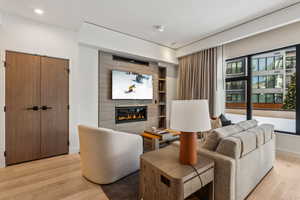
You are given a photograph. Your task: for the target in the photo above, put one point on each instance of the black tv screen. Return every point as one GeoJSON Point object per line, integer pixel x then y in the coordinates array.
{"type": "Point", "coordinates": [131, 85]}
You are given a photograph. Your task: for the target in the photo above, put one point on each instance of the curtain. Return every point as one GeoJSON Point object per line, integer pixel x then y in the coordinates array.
{"type": "Point", "coordinates": [198, 77]}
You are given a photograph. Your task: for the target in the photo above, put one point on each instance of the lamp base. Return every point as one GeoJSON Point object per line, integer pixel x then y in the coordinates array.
{"type": "Point", "coordinates": [188, 148]}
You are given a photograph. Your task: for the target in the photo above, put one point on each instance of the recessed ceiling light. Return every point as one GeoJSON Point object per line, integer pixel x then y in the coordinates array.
{"type": "Point", "coordinates": [39, 11]}
{"type": "Point", "coordinates": [159, 28]}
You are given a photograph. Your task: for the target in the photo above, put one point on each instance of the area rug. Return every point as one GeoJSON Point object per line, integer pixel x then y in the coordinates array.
{"type": "Point", "coordinates": [128, 189]}
{"type": "Point", "coordinates": [125, 189]}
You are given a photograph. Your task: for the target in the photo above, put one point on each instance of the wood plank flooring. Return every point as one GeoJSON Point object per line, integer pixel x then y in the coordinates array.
{"type": "Point", "coordinates": [60, 178]}
{"type": "Point", "coordinates": [49, 179]}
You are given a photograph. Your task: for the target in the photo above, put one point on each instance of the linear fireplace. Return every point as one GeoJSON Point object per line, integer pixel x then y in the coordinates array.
{"type": "Point", "coordinates": [131, 114]}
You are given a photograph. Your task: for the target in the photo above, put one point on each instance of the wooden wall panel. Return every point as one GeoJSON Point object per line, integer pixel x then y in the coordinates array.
{"type": "Point", "coordinates": [107, 105]}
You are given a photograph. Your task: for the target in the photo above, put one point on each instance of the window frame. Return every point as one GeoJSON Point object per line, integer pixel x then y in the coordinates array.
{"type": "Point", "coordinates": [248, 78]}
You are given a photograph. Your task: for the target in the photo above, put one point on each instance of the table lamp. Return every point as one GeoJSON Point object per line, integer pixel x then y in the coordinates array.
{"type": "Point", "coordinates": [189, 117]}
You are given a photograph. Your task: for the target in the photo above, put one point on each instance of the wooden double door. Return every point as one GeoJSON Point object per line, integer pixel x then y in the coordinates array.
{"type": "Point", "coordinates": [37, 107]}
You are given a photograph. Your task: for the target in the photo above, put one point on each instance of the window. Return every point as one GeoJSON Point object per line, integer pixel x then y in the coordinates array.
{"type": "Point", "coordinates": [270, 63]}
{"type": "Point", "coordinates": [271, 81]}
{"type": "Point", "coordinates": [278, 98]}
{"type": "Point", "coordinates": [273, 86]}
{"type": "Point", "coordinates": [262, 64]}
{"type": "Point", "coordinates": [239, 68]}
{"type": "Point", "coordinates": [279, 81]}
{"type": "Point", "coordinates": [254, 65]}
{"type": "Point", "coordinates": [233, 68]}
{"type": "Point", "coordinates": [262, 98]}
{"type": "Point", "coordinates": [255, 82]}
{"type": "Point", "coordinates": [254, 98]}
{"type": "Point", "coordinates": [269, 98]}
{"type": "Point", "coordinates": [262, 82]}
{"type": "Point", "coordinates": [290, 59]}
{"type": "Point", "coordinates": [228, 69]}
{"type": "Point", "coordinates": [278, 62]}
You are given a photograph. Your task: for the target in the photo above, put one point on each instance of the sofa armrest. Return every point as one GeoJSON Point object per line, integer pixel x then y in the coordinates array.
{"type": "Point", "coordinates": [224, 174]}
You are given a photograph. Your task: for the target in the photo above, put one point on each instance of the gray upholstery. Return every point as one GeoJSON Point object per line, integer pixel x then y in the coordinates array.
{"type": "Point", "coordinates": [216, 135]}
{"type": "Point", "coordinates": [245, 125]}
{"type": "Point", "coordinates": [242, 157]}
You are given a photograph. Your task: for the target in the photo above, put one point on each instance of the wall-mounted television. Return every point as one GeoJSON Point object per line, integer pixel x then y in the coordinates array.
{"type": "Point", "coordinates": [131, 85]}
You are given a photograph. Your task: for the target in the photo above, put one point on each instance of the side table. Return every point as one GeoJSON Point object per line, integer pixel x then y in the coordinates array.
{"type": "Point", "coordinates": [162, 177]}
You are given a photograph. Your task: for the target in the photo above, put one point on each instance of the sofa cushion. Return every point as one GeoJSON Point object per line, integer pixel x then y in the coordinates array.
{"type": "Point", "coordinates": [268, 132]}
{"type": "Point", "coordinates": [216, 135]}
{"type": "Point", "coordinates": [248, 141]}
{"type": "Point", "coordinates": [231, 147]}
{"type": "Point", "coordinates": [245, 125]}
{"type": "Point", "coordinates": [260, 135]}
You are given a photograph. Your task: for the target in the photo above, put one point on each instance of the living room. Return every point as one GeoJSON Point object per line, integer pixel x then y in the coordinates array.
{"type": "Point", "coordinates": [99, 105]}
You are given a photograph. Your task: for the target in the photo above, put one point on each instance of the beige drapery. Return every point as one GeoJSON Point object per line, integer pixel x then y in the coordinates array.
{"type": "Point", "coordinates": [198, 76]}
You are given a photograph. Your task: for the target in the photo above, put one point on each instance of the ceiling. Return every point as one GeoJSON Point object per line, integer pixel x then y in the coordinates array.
{"type": "Point", "coordinates": [185, 21]}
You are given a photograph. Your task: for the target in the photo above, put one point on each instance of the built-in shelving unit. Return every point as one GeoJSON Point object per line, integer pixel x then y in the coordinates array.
{"type": "Point", "coordinates": [162, 97]}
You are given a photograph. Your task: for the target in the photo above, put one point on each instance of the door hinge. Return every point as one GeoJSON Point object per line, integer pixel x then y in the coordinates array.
{"type": "Point", "coordinates": [4, 108]}
{"type": "Point", "coordinates": [5, 154]}
{"type": "Point", "coordinates": [68, 70]}
{"type": "Point", "coordinates": [4, 63]}
{"type": "Point", "coordinates": [68, 107]}
{"type": "Point", "coordinates": [68, 143]}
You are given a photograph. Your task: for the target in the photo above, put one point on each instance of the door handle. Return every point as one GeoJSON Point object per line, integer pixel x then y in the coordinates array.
{"type": "Point", "coordinates": [34, 108]}
{"type": "Point", "coordinates": [46, 108]}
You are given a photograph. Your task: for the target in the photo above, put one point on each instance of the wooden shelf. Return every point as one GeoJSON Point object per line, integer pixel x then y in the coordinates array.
{"type": "Point", "coordinates": [162, 94]}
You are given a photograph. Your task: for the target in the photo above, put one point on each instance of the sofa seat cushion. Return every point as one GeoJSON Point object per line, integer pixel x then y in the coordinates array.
{"type": "Point", "coordinates": [245, 125]}
{"type": "Point", "coordinates": [218, 134]}
{"type": "Point", "coordinates": [248, 142]}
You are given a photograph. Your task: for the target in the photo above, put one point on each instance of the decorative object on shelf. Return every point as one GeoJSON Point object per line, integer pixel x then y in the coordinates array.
{"type": "Point", "coordinates": [155, 139]}
{"type": "Point", "coordinates": [189, 117]}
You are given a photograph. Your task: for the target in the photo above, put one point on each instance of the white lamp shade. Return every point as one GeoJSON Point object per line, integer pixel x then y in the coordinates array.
{"type": "Point", "coordinates": [190, 116]}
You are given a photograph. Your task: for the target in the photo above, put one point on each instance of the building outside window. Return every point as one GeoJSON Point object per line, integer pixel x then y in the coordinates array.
{"type": "Point", "coordinates": [273, 83]}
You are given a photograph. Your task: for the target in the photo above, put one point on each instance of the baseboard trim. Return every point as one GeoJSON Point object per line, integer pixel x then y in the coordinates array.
{"type": "Point", "coordinates": [2, 160]}
{"type": "Point", "coordinates": [73, 150]}
{"type": "Point", "coordinates": [289, 153]}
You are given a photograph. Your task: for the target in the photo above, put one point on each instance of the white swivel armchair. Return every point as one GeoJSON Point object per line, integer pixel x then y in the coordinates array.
{"type": "Point", "coordinates": [108, 155]}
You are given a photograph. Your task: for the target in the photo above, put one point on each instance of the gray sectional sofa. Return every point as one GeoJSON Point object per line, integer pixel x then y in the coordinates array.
{"type": "Point", "coordinates": [243, 153]}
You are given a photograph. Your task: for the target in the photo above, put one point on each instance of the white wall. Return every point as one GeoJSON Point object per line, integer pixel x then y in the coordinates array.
{"type": "Point", "coordinates": [110, 41]}
{"type": "Point", "coordinates": [277, 38]}
{"type": "Point", "coordinates": [22, 35]}
{"type": "Point", "coordinates": [19, 34]}
{"type": "Point", "coordinates": [288, 143]}
{"type": "Point", "coordinates": [269, 22]}
{"type": "Point", "coordinates": [88, 76]}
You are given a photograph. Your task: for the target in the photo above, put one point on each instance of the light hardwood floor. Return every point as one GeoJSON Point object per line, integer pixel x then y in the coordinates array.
{"type": "Point", "coordinates": [49, 179]}
{"type": "Point", "coordinates": [60, 178]}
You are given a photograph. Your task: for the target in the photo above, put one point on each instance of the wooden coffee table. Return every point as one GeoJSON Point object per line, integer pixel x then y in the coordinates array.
{"type": "Point", "coordinates": [154, 142]}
